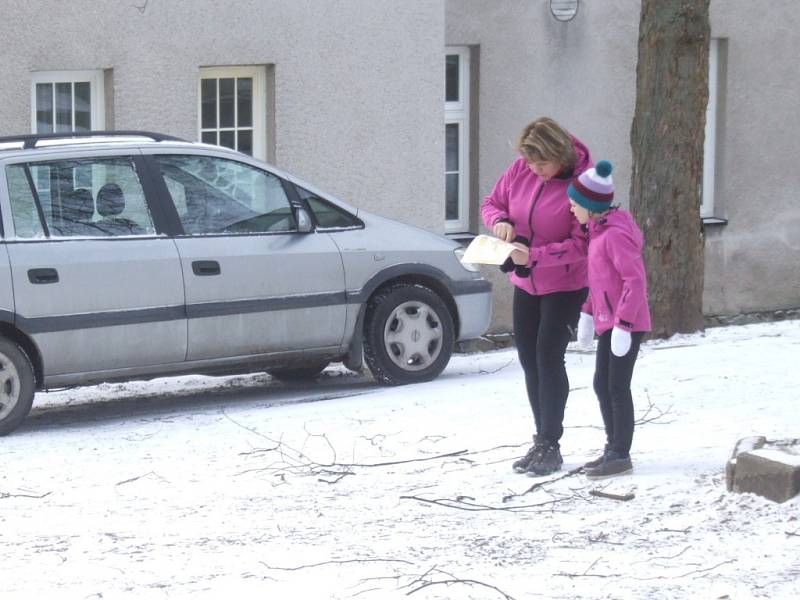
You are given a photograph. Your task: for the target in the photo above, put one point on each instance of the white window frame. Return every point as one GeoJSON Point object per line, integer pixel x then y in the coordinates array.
{"type": "Point", "coordinates": [259, 76]}
{"type": "Point", "coordinates": [710, 143]}
{"type": "Point", "coordinates": [459, 113]}
{"type": "Point", "coordinates": [96, 80]}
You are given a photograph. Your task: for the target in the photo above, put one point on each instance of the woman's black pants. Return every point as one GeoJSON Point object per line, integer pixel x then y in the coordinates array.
{"type": "Point", "coordinates": [542, 330]}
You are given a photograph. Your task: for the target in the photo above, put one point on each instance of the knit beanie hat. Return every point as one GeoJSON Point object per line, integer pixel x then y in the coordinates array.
{"type": "Point", "coordinates": [594, 188]}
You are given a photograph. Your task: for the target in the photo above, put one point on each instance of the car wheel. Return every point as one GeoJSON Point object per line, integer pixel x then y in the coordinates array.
{"type": "Point", "coordinates": [16, 386]}
{"type": "Point", "coordinates": [295, 374]}
{"type": "Point", "coordinates": [408, 335]}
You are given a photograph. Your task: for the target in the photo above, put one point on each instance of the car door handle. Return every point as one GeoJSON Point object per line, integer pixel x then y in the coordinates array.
{"type": "Point", "coordinates": [42, 275]}
{"type": "Point", "coordinates": [206, 267]}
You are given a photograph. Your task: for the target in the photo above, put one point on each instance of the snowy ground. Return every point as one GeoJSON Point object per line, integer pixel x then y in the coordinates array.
{"type": "Point", "coordinates": [244, 488]}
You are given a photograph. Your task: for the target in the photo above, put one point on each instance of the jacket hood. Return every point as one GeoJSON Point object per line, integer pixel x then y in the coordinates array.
{"type": "Point", "coordinates": [583, 160]}
{"type": "Point", "coordinates": [619, 219]}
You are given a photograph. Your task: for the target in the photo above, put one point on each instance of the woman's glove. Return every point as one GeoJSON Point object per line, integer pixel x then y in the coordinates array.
{"type": "Point", "coordinates": [585, 335]}
{"type": "Point", "coordinates": [620, 341]}
{"type": "Point", "coordinates": [509, 265]}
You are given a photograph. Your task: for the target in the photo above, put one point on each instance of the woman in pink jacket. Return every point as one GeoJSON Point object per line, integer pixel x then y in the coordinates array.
{"type": "Point", "coordinates": [617, 309]}
{"type": "Point", "coordinates": [528, 205]}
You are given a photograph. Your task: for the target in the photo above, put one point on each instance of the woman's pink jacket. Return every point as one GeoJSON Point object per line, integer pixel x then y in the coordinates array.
{"type": "Point", "coordinates": [539, 211]}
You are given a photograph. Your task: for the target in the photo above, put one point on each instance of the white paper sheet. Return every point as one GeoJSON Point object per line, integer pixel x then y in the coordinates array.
{"type": "Point", "coordinates": [487, 250]}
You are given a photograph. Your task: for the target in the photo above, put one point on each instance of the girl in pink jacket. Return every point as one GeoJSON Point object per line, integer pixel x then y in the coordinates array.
{"type": "Point", "coordinates": [528, 205]}
{"type": "Point", "coordinates": [616, 309]}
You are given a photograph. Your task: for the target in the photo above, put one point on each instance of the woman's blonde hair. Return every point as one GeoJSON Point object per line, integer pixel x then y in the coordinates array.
{"type": "Point", "coordinates": [546, 140]}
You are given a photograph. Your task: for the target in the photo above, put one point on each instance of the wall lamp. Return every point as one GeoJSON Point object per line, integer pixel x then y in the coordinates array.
{"type": "Point", "coordinates": [564, 10]}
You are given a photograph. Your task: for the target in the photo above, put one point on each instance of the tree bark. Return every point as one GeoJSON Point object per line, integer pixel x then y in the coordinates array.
{"type": "Point", "coordinates": [667, 146]}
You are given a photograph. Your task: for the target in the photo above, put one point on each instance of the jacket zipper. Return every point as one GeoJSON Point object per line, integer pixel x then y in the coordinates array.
{"type": "Point", "coordinates": [530, 226]}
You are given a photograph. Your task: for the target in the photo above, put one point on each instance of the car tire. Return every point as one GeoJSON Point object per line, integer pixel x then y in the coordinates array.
{"type": "Point", "coordinates": [408, 334]}
{"type": "Point", "coordinates": [297, 374]}
{"type": "Point", "coordinates": [17, 386]}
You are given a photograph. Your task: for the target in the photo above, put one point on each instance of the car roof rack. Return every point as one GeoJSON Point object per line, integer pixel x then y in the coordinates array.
{"type": "Point", "coordinates": [30, 140]}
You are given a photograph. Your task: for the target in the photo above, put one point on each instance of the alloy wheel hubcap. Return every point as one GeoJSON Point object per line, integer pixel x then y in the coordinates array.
{"type": "Point", "coordinates": [413, 336]}
{"type": "Point", "coordinates": [9, 386]}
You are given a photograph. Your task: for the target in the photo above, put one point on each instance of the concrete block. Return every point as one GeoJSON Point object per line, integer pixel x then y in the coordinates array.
{"type": "Point", "coordinates": [769, 469]}
{"type": "Point", "coordinates": [743, 445]}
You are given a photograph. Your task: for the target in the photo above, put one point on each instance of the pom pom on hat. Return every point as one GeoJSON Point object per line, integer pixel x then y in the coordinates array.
{"type": "Point", "coordinates": [594, 188]}
{"type": "Point", "coordinates": [603, 168]}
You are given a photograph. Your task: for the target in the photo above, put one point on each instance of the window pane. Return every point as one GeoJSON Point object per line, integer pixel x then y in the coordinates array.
{"type": "Point", "coordinates": [44, 107]}
{"type": "Point", "coordinates": [327, 214]}
{"type": "Point", "coordinates": [83, 106]}
{"type": "Point", "coordinates": [451, 78]}
{"type": "Point", "coordinates": [215, 196]}
{"type": "Point", "coordinates": [246, 141]}
{"type": "Point", "coordinates": [63, 107]}
{"type": "Point", "coordinates": [226, 102]}
{"type": "Point", "coordinates": [244, 98]}
{"type": "Point", "coordinates": [23, 205]}
{"type": "Point", "coordinates": [451, 147]}
{"type": "Point", "coordinates": [208, 104]}
{"type": "Point", "coordinates": [451, 195]}
{"type": "Point", "coordinates": [227, 139]}
{"type": "Point", "coordinates": [209, 137]}
{"type": "Point", "coordinates": [94, 197]}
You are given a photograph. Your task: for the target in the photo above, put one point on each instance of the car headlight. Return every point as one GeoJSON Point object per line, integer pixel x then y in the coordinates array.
{"type": "Point", "coordinates": [459, 252]}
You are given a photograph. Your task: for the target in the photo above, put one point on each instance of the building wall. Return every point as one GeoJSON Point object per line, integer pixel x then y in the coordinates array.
{"type": "Point", "coordinates": [358, 84]}
{"type": "Point", "coordinates": [583, 74]}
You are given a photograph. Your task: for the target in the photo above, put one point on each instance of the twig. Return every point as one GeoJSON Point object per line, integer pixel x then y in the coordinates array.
{"type": "Point", "coordinates": [341, 476]}
{"type": "Point", "coordinates": [132, 479]}
{"type": "Point", "coordinates": [662, 557]}
{"type": "Point", "coordinates": [474, 507]}
{"type": "Point", "coordinates": [603, 538]}
{"type": "Point", "coordinates": [585, 573]}
{"type": "Point", "coordinates": [620, 497]}
{"type": "Point", "coordinates": [498, 369]}
{"type": "Point", "coordinates": [794, 533]}
{"type": "Point", "coordinates": [4, 495]}
{"type": "Point", "coordinates": [724, 562]}
{"type": "Point", "coordinates": [402, 462]}
{"type": "Point", "coordinates": [542, 483]}
{"type": "Point", "coordinates": [337, 562]}
{"type": "Point", "coordinates": [683, 531]}
{"type": "Point", "coordinates": [654, 420]}
{"type": "Point", "coordinates": [449, 582]}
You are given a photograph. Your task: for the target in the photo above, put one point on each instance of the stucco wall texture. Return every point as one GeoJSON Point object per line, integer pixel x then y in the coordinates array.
{"type": "Point", "coordinates": [583, 74]}
{"type": "Point", "coordinates": [358, 89]}
{"type": "Point", "coordinates": [358, 83]}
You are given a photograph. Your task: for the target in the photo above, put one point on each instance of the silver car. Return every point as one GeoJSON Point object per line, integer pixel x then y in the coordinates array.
{"type": "Point", "coordinates": [130, 254]}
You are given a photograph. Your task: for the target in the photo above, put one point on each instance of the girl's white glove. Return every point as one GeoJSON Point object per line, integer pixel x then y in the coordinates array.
{"type": "Point", "coordinates": [585, 331]}
{"type": "Point", "coordinates": [620, 341]}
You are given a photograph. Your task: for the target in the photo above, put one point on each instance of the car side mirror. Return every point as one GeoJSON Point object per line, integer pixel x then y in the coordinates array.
{"type": "Point", "coordinates": [304, 223]}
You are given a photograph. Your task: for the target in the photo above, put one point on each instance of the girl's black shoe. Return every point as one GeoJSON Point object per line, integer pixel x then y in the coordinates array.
{"type": "Point", "coordinates": [613, 464]}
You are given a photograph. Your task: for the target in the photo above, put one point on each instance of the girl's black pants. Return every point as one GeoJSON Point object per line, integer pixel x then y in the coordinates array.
{"type": "Point", "coordinates": [612, 384]}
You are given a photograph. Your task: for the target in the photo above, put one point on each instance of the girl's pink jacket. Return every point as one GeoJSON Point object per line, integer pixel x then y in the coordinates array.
{"type": "Point", "coordinates": [539, 211]}
{"type": "Point", "coordinates": [617, 279]}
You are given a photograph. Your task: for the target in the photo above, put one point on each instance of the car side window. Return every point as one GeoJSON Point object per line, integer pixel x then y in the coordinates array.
{"type": "Point", "coordinates": [328, 215]}
{"type": "Point", "coordinates": [215, 195]}
{"type": "Point", "coordinates": [24, 213]}
{"type": "Point", "coordinates": [79, 198]}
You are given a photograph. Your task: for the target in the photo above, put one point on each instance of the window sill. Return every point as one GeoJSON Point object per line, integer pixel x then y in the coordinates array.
{"type": "Point", "coordinates": [714, 221]}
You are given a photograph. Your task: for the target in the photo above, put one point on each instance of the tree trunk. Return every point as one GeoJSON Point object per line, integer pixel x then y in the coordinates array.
{"type": "Point", "coordinates": [667, 145]}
